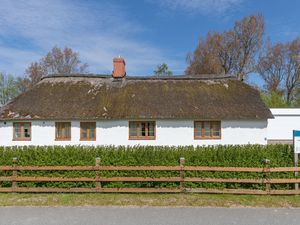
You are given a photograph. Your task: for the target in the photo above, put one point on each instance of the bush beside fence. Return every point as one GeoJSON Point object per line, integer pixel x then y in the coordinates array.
{"type": "Point", "coordinates": [223, 156]}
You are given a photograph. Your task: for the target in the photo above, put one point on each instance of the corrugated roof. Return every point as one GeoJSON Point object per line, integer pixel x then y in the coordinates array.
{"type": "Point", "coordinates": [103, 97]}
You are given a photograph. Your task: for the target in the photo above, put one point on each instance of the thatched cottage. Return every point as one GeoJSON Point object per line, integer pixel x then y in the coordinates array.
{"type": "Point", "coordinates": [125, 110]}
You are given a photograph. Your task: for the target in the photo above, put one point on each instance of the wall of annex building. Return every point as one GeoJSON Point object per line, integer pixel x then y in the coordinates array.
{"type": "Point", "coordinates": [280, 128]}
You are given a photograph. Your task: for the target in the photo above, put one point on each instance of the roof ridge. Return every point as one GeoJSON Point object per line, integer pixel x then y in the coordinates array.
{"type": "Point", "coordinates": [145, 77]}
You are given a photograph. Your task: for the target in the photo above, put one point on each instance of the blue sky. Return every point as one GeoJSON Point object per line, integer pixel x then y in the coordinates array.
{"type": "Point", "coordinates": [144, 32]}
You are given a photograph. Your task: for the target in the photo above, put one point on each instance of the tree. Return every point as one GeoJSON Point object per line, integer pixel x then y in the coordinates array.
{"type": "Point", "coordinates": [292, 77]}
{"type": "Point", "coordinates": [57, 61]}
{"type": "Point", "coordinates": [7, 91]}
{"type": "Point", "coordinates": [204, 60]}
{"type": "Point", "coordinates": [22, 84]}
{"type": "Point", "coordinates": [64, 61]}
{"type": "Point", "coordinates": [10, 87]}
{"type": "Point", "coordinates": [35, 72]}
{"type": "Point", "coordinates": [275, 100]}
{"type": "Point", "coordinates": [249, 34]}
{"type": "Point", "coordinates": [279, 67]}
{"type": "Point", "coordinates": [163, 70]}
{"type": "Point", "coordinates": [231, 52]}
{"type": "Point", "coordinates": [271, 67]}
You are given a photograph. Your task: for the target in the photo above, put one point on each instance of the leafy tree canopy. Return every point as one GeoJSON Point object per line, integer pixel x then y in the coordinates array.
{"type": "Point", "coordinates": [163, 70]}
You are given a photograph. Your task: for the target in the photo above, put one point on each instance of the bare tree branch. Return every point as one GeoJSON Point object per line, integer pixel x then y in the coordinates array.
{"type": "Point", "coordinates": [57, 61]}
{"type": "Point", "coordinates": [230, 52]}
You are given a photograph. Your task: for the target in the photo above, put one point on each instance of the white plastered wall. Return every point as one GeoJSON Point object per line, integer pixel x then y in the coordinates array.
{"type": "Point", "coordinates": [285, 121]}
{"type": "Point", "coordinates": [168, 132]}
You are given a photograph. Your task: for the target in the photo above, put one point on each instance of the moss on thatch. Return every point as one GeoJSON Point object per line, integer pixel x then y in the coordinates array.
{"type": "Point", "coordinates": [103, 97]}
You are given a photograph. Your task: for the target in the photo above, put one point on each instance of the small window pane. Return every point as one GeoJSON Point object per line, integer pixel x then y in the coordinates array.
{"type": "Point", "coordinates": [198, 128]}
{"type": "Point", "coordinates": [83, 132]}
{"type": "Point", "coordinates": [27, 130]}
{"type": "Point", "coordinates": [67, 130]}
{"type": "Point", "coordinates": [59, 128]}
{"type": "Point", "coordinates": [207, 129]}
{"type": "Point", "coordinates": [138, 129]}
{"type": "Point", "coordinates": [133, 129]}
{"type": "Point", "coordinates": [92, 130]}
{"type": "Point", "coordinates": [151, 129]}
{"type": "Point", "coordinates": [92, 126]}
{"type": "Point", "coordinates": [59, 131]}
{"type": "Point", "coordinates": [92, 133]}
{"type": "Point", "coordinates": [216, 129]}
{"type": "Point", "coordinates": [17, 130]}
{"type": "Point", "coordinates": [18, 134]}
{"type": "Point", "coordinates": [143, 129]}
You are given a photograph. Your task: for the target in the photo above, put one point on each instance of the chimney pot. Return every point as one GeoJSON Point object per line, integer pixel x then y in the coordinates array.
{"type": "Point", "coordinates": [119, 68]}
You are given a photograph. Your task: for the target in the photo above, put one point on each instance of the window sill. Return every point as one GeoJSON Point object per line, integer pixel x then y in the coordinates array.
{"type": "Point", "coordinates": [63, 139]}
{"type": "Point", "coordinates": [22, 139]}
{"type": "Point", "coordinates": [142, 138]}
{"type": "Point", "coordinates": [207, 138]}
{"type": "Point", "coordinates": [93, 139]}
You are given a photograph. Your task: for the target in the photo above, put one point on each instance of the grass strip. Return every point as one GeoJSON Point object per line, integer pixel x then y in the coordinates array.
{"type": "Point", "coordinates": [144, 200]}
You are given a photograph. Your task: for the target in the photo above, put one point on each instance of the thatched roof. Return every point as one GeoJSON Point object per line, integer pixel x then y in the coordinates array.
{"type": "Point", "coordinates": [103, 97]}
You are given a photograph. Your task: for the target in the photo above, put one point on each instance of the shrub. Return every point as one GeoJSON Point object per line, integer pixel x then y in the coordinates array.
{"type": "Point", "coordinates": [241, 156]}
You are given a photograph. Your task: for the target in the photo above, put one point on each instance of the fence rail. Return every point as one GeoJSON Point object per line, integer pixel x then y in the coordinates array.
{"type": "Point", "coordinates": [181, 179]}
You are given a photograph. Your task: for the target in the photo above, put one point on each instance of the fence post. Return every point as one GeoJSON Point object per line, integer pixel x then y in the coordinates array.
{"type": "Point", "coordinates": [267, 175]}
{"type": "Point", "coordinates": [182, 173]}
{"type": "Point", "coordinates": [98, 183]}
{"type": "Point", "coordinates": [14, 173]}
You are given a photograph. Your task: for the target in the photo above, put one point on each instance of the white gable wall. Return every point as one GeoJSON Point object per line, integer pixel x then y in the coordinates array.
{"type": "Point", "coordinates": [168, 132]}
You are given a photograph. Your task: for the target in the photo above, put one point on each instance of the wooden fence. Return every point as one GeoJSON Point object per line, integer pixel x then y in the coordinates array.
{"type": "Point", "coordinates": [266, 171]}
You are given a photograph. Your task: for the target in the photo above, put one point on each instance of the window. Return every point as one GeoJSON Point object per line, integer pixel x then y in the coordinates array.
{"type": "Point", "coordinates": [207, 130]}
{"type": "Point", "coordinates": [22, 131]}
{"type": "Point", "coordinates": [63, 131]}
{"type": "Point", "coordinates": [88, 131]}
{"type": "Point", "coordinates": [140, 130]}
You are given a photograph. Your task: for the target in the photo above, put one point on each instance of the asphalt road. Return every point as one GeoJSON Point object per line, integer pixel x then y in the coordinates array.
{"type": "Point", "coordinates": [146, 216]}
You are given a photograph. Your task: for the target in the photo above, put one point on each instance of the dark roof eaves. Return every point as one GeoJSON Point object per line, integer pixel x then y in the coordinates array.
{"type": "Point", "coordinates": [129, 118]}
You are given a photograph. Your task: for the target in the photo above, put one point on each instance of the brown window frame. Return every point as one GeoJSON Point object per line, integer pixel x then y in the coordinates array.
{"type": "Point", "coordinates": [88, 131]}
{"type": "Point", "coordinates": [22, 131]}
{"type": "Point", "coordinates": [211, 137]}
{"type": "Point", "coordinates": [146, 131]}
{"type": "Point", "coordinates": [63, 138]}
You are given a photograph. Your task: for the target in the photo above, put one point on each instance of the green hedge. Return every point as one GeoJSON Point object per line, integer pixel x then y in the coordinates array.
{"type": "Point", "coordinates": [244, 156]}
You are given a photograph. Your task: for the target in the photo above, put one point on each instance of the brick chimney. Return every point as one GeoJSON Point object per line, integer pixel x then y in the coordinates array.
{"type": "Point", "coordinates": [119, 68]}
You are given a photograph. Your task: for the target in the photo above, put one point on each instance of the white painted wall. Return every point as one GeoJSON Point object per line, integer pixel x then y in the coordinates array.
{"type": "Point", "coordinates": [283, 124]}
{"type": "Point", "coordinates": [168, 132]}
